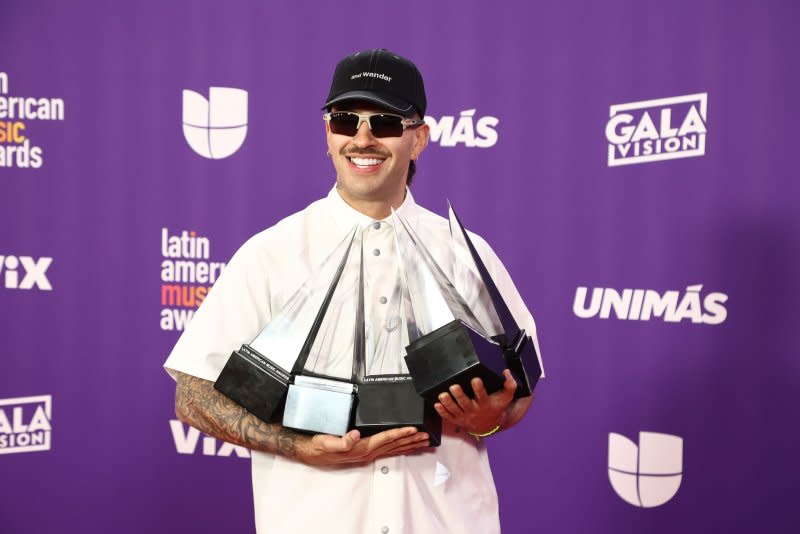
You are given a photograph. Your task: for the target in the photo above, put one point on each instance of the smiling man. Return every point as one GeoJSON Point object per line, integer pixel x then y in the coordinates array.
{"type": "Point", "coordinates": [390, 482]}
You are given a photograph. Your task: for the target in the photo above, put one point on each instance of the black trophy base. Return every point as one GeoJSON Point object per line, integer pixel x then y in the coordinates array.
{"type": "Point", "coordinates": [520, 359]}
{"type": "Point", "coordinates": [454, 354]}
{"type": "Point", "coordinates": [386, 403]}
{"type": "Point", "coordinates": [253, 381]}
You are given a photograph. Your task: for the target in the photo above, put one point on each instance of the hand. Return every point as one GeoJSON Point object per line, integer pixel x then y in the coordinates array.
{"type": "Point", "coordinates": [481, 414]}
{"type": "Point", "coordinates": [325, 449]}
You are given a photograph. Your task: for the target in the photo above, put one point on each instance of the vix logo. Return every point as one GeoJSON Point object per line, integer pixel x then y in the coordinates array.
{"type": "Point", "coordinates": [35, 272]}
{"type": "Point", "coordinates": [187, 438]}
{"type": "Point", "coordinates": [655, 130]}
{"type": "Point", "coordinates": [215, 128]}
{"type": "Point", "coordinates": [648, 475]}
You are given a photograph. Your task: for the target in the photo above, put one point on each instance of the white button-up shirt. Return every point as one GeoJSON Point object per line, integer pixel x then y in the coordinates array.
{"type": "Point", "coordinates": [448, 490]}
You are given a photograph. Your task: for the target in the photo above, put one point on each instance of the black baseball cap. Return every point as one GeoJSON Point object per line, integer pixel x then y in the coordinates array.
{"type": "Point", "coordinates": [381, 77]}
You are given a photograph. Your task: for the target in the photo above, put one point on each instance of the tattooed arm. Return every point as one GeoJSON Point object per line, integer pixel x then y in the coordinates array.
{"type": "Point", "coordinates": [198, 404]}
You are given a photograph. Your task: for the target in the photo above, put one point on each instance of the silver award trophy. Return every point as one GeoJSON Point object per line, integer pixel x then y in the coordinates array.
{"type": "Point", "coordinates": [321, 396]}
{"type": "Point", "coordinates": [453, 346]}
{"type": "Point", "coordinates": [257, 375]}
{"type": "Point", "coordinates": [519, 348]}
{"type": "Point", "coordinates": [386, 395]}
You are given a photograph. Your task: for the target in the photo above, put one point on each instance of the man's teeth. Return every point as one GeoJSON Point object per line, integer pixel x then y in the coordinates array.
{"type": "Point", "coordinates": [366, 162]}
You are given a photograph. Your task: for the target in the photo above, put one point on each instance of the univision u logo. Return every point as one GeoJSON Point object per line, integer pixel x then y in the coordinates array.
{"type": "Point", "coordinates": [215, 128]}
{"type": "Point", "coordinates": [648, 475]}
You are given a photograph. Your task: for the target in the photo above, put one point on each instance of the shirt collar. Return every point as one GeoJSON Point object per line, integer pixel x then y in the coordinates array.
{"type": "Point", "coordinates": [347, 216]}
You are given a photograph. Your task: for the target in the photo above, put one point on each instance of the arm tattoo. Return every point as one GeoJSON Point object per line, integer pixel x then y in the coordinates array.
{"type": "Point", "coordinates": [200, 405]}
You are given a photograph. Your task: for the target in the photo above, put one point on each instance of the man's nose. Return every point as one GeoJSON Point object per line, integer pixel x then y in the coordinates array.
{"type": "Point", "coordinates": [364, 136]}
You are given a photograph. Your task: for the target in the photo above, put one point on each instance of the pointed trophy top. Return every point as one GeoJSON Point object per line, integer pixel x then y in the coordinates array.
{"type": "Point", "coordinates": [510, 327]}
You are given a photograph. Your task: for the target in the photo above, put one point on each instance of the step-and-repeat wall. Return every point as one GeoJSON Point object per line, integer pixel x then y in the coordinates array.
{"type": "Point", "coordinates": [633, 164]}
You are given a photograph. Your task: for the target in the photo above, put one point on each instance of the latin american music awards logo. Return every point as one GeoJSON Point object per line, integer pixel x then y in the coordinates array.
{"type": "Point", "coordinates": [187, 274]}
{"type": "Point", "coordinates": [647, 475]}
{"type": "Point", "coordinates": [215, 127]}
{"type": "Point", "coordinates": [18, 148]}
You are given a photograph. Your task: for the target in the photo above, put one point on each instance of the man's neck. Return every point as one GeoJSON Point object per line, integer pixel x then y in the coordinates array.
{"type": "Point", "coordinates": [374, 208]}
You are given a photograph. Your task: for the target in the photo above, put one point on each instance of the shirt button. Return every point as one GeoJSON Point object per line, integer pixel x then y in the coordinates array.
{"type": "Point", "coordinates": [384, 530]}
{"type": "Point", "coordinates": [376, 225]}
{"type": "Point", "coordinates": [384, 469]}
{"type": "Point", "coordinates": [391, 323]}
{"type": "Point", "coordinates": [376, 252]}
{"type": "Point", "coordinates": [382, 300]}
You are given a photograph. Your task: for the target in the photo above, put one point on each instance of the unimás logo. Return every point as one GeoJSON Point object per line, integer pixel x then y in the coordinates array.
{"type": "Point", "coordinates": [187, 439]}
{"type": "Point", "coordinates": [215, 128]}
{"type": "Point", "coordinates": [648, 475]}
{"type": "Point", "coordinates": [33, 270]}
{"type": "Point", "coordinates": [647, 304]}
{"type": "Point", "coordinates": [26, 424]}
{"type": "Point", "coordinates": [186, 276]}
{"type": "Point", "coordinates": [656, 130]}
{"type": "Point", "coordinates": [465, 129]}
{"type": "Point", "coordinates": [16, 149]}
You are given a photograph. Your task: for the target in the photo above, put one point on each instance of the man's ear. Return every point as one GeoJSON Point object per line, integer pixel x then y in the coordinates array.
{"type": "Point", "coordinates": [421, 136]}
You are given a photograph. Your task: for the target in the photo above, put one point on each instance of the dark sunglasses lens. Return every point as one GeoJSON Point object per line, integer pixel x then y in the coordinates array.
{"type": "Point", "coordinates": [344, 124]}
{"type": "Point", "coordinates": [386, 126]}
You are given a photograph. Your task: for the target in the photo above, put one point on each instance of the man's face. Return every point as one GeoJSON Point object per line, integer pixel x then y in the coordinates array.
{"type": "Point", "coordinates": [371, 168]}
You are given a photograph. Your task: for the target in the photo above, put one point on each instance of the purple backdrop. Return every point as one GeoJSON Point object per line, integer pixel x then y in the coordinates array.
{"type": "Point", "coordinates": [117, 170]}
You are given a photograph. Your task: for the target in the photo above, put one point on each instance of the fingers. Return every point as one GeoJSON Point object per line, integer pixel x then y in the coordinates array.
{"type": "Point", "coordinates": [443, 413]}
{"type": "Point", "coordinates": [381, 438]}
{"type": "Point", "coordinates": [464, 402]}
{"type": "Point", "coordinates": [330, 443]}
{"type": "Point", "coordinates": [411, 449]}
{"type": "Point", "coordinates": [450, 405]}
{"type": "Point", "coordinates": [480, 391]}
{"type": "Point", "coordinates": [419, 441]}
{"type": "Point", "coordinates": [419, 437]}
{"type": "Point", "coordinates": [416, 441]}
{"type": "Point", "coordinates": [510, 385]}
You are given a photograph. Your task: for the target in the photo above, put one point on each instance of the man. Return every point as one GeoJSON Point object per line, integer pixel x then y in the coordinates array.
{"type": "Point", "coordinates": [391, 481]}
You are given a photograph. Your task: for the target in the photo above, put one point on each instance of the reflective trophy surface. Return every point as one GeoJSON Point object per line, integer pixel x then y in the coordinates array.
{"type": "Point", "coordinates": [257, 376]}
{"type": "Point", "coordinates": [454, 346]}
{"type": "Point", "coordinates": [321, 397]}
{"type": "Point", "coordinates": [387, 397]}
{"type": "Point", "coordinates": [519, 348]}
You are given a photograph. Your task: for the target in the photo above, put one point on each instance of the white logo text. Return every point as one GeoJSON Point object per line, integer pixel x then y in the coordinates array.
{"type": "Point", "coordinates": [642, 304]}
{"type": "Point", "coordinates": [634, 137]}
{"type": "Point", "coordinates": [25, 424]}
{"type": "Point", "coordinates": [35, 272]}
{"type": "Point", "coordinates": [450, 131]}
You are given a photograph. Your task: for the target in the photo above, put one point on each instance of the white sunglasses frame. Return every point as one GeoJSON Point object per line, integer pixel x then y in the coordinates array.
{"type": "Point", "coordinates": [365, 117]}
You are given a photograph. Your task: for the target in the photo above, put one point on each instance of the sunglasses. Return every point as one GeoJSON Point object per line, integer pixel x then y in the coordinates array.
{"type": "Point", "coordinates": [380, 124]}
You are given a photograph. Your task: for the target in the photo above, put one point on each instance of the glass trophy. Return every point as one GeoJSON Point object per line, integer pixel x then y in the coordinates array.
{"type": "Point", "coordinates": [321, 396]}
{"type": "Point", "coordinates": [257, 375]}
{"type": "Point", "coordinates": [519, 348]}
{"type": "Point", "coordinates": [387, 397]}
{"type": "Point", "coordinates": [452, 345]}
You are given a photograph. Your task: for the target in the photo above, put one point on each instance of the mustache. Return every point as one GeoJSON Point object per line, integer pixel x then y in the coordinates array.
{"type": "Point", "coordinates": [366, 151]}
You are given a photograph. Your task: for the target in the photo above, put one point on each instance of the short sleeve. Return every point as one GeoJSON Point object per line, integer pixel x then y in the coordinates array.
{"type": "Point", "coordinates": [235, 310]}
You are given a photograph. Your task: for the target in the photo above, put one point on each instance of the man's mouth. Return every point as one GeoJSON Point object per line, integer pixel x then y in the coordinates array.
{"type": "Point", "coordinates": [365, 162]}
